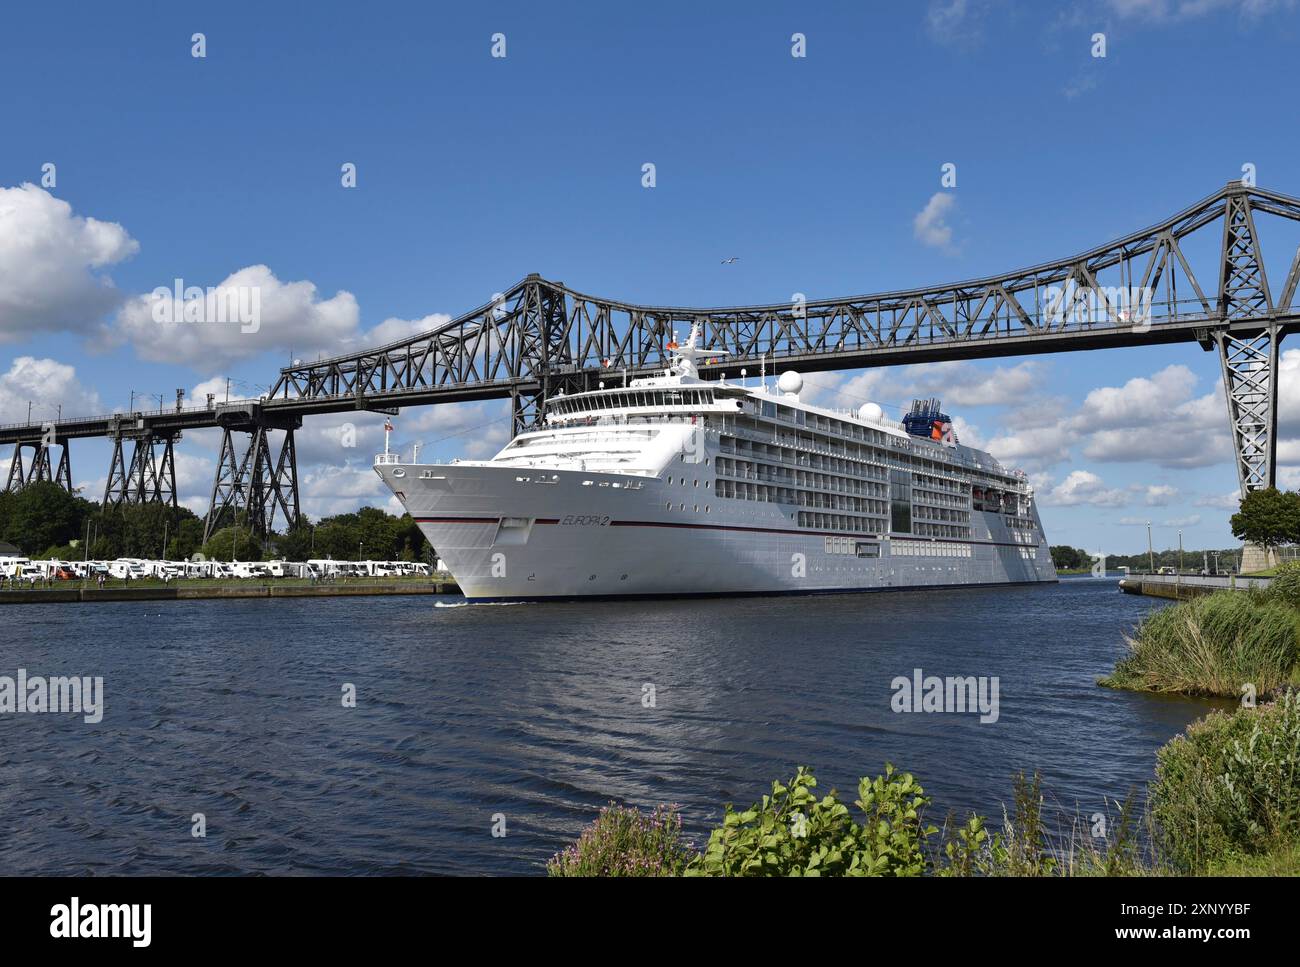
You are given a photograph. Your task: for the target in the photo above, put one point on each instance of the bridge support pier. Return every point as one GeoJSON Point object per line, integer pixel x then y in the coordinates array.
{"type": "Point", "coordinates": [1248, 353]}
{"type": "Point", "coordinates": [39, 469]}
{"type": "Point", "coordinates": [251, 481]}
{"type": "Point", "coordinates": [146, 478]}
{"type": "Point", "coordinates": [1250, 385]}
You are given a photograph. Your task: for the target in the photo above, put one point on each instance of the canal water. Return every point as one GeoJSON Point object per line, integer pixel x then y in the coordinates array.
{"type": "Point", "coordinates": [471, 718]}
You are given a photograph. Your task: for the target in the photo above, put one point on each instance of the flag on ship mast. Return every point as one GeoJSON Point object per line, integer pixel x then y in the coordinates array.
{"type": "Point", "coordinates": [388, 428]}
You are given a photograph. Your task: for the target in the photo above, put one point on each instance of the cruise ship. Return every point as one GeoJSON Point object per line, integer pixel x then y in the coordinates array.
{"type": "Point", "coordinates": [673, 485]}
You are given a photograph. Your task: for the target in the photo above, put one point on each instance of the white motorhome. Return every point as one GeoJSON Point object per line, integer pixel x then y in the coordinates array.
{"type": "Point", "coordinates": [324, 567]}
{"type": "Point", "coordinates": [286, 569]}
{"type": "Point", "coordinates": [129, 568]}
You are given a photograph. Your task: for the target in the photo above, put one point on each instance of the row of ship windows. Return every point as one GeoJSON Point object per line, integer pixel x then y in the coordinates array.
{"type": "Point", "coordinates": [843, 522]}
{"type": "Point", "coordinates": [892, 453]}
{"type": "Point", "coordinates": [887, 447]}
{"type": "Point", "coordinates": [803, 498]}
{"type": "Point", "coordinates": [952, 531]}
{"type": "Point", "coordinates": [626, 399]}
{"type": "Point", "coordinates": [932, 490]}
{"type": "Point", "coordinates": [847, 545]}
{"type": "Point", "coordinates": [940, 514]}
{"type": "Point", "coordinates": [929, 549]}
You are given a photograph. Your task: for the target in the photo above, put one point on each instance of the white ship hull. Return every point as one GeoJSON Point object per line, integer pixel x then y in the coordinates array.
{"type": "Point", "coordinates": [507, 536]}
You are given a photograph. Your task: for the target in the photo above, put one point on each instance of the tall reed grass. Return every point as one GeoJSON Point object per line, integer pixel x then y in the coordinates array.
{"type": "Point", "coordinates": [1214, 645]}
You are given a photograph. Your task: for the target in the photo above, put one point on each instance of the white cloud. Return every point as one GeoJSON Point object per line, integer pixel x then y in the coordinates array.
{"type": "Point", "coordinates": [963, 384]}
{"type": "Point", "coordinates": [1229, 501]}
{"type": "Point", "coordinates": [1134, 403]}
{"type": "Point", "coordinates": [326, 491]}
{"type": "Point", "coordinates": [956, 383]}
{"type": "Point", "coordinates": [1154, 419]}
{"type": "Point", "coordinates": [1174, 10]}
{"type": "Point", "coordinates": [47, 384]}
{"type": "Point", "coordinates": [1158, 495]}
{"type": "Point", "coordinates": [396, 330]}
{"type": "Point", "coordinates": [292, 317]}
{"type": "Point", "coordinates": [954, 21]}
{"type": "Point", "coordinates": [51, 264]}
{"type": "Point", "coordinates": [929, 225]}
{"type": "Point", "coordinates": [1032, 449]}
{"type": "Point", "coordinates": [1084, 487]}
{"type": "Point", "coordinates": [1190, 520]}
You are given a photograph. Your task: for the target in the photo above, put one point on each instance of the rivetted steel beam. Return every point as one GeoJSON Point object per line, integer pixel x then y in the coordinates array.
{"type": "Point", "coordinates": [252, 487]}
{"type": "Point", "coordinates": [541, 336]}
{"type": "Point", "coordinates": [39, 469]}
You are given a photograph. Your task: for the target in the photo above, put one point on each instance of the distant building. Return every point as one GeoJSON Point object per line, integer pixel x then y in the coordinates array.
{"type": "Point", "coordinates": [8, 550]}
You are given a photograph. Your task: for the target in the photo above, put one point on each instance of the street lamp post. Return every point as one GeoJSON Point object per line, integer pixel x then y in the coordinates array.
{"type": "Point", "coordinates": [1151, 554]}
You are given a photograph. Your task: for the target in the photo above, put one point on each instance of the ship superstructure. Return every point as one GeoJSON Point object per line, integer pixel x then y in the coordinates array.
{"type": "Point", "coordinates": [676, 485]}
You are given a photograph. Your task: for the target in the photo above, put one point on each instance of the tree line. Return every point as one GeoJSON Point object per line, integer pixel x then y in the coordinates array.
{"type": "Point", "coordinates": [1067, 558]}
{"type": "Point", "coordinates": [45, 521]}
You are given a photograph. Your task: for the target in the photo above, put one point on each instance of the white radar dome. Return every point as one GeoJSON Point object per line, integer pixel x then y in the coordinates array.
{"type": "Point", "coordinates": [790, 383]}
{"type": "Point", "coordinates": [870, 412]}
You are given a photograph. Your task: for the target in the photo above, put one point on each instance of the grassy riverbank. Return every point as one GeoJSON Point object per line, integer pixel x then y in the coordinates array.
{"type": "Point", "coordinates": [1225, 802]}
{"type": "Point", "coordinates": [1223, 644]}
{"type": "Point", "coordinates": [1214, 645]}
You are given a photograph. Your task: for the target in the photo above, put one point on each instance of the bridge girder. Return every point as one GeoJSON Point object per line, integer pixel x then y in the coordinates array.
{"type": "Point", "coordinates": [38, 471]}
{"type": "Point", "coordinates": [250, 481]}
{"type": "Point", "coordinates": [147, 477]}
{"type": "Point", "coordinates": [540, 336]}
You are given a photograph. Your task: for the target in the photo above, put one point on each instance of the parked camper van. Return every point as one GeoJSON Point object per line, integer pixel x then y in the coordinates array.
{"type": "Point", "coordinates": [128, 568]}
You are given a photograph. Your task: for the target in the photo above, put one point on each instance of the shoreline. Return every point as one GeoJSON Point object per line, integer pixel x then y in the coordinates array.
{"type": "Point", "coordinates": [182, 593]}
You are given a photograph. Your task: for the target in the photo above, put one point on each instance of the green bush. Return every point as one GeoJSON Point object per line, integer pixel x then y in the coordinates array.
{"type": "Point", "coordinates": [623, 841]}
{"type": "Point", "coordinates": [793, 833]}
{"type": "Point", "coordinates": [1230, 786]}
{"type": "Point", "coordinates": [1285, 586]}
{"type": "Point", "coordinates": [1212, 645]}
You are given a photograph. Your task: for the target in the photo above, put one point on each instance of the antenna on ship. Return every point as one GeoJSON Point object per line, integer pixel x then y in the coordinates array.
{"type": "Point", "coordinates": [685, 358]}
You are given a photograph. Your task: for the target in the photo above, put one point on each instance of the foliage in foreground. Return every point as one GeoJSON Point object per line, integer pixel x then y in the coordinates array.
{"type": "Point", "coordinates": [1230, 787]}
{"type": "Point", "coordinates": [1284, 588]}
{"type": "Point", "coordinates": [792, 832]}
{"type": "Point", "coordinates": [623, 841]}
{"type": "Point", "coordinates": [1213, 645]}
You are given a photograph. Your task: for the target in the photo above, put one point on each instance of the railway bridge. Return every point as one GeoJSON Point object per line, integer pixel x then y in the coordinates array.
{"type": "Point", "coordinates": [541, 337]}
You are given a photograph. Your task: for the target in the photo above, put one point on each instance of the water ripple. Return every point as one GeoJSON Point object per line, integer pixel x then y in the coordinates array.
{"type": "Point", "coordinates": [537, 715]}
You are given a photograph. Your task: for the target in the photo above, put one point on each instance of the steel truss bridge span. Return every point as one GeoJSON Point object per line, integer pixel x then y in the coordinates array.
{"type": "Point", "coordinates": [540, 338]}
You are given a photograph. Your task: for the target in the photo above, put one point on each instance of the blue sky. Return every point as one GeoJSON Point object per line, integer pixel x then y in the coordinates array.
{"type": "Point", "coordinates": [473, 171]}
